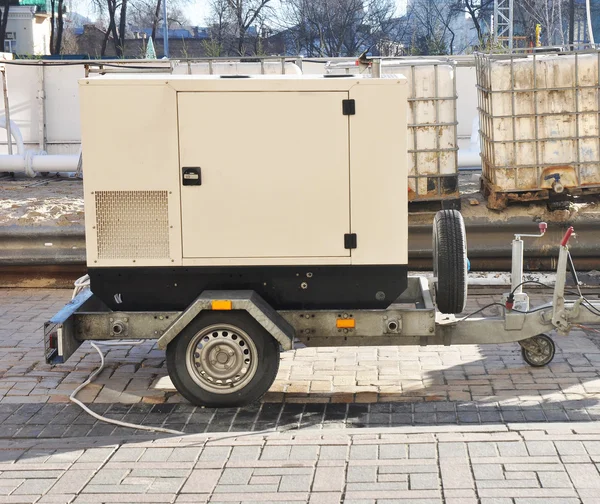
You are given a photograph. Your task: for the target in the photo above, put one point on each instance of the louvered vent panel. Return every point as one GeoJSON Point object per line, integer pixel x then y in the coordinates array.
{"type": "Point", "coordinates": [132, 224]}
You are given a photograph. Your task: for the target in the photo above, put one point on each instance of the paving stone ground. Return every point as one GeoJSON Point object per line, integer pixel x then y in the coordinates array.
{"type": "Point", "coordinates": [323, 388]}
{"type": "Point", "coordinates": [512, 464]}
{"type": "Point", "coordinates": [382, 425]}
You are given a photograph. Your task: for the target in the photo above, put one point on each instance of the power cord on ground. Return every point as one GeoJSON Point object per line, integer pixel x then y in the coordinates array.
{"type": "Point", "coordinates": [84, 283]}
{"type": "Point", "coordinates": [91, 378]}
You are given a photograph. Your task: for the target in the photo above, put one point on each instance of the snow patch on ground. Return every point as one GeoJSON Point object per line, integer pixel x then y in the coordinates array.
{"type": "Point", "coordinates": [39, 202]}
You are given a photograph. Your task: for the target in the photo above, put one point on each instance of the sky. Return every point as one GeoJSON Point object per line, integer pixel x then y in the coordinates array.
{"type": "Point", "coordinates": [197, 11]}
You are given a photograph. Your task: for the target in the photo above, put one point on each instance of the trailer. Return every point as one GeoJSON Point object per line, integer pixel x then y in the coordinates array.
{"type": "Point", "coordinates": [227, 254]}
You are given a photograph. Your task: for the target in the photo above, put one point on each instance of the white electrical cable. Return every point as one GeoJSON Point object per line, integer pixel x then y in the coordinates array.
{"type": "Point", "coordinates": [91, 378]}
{"type": "Point", "coordinates": [80, 284]}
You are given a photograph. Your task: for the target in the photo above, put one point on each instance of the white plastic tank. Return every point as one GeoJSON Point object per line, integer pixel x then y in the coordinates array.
{"type": "Point", "coordinates": [432, 138]}
{"type": "Point", "coordinates": [539, 121]}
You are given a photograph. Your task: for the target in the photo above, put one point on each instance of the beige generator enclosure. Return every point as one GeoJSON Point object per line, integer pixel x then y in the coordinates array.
{"type": "Point", "coordinates": [432, 123]}
{"type": "Point", "coordinates": [539, 124]}
{"type": "Point", "coordinates": [293, 187]}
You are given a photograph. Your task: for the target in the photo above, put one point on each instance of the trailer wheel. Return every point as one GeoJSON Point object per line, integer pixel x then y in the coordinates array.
{"type": "Point", "coordinates": [450, 261]}
{"type": "Point", "coordinates": [538, 351]}
{"type": "Point", "coordinates": [223, 359]}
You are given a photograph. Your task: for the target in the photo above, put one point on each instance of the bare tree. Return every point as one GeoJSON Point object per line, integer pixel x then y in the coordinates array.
{"type": "Point", "coordinates": [4, 19]}
{"type": "Point", "coordinates": [235, 20]}
{"type": "Point", "coordinates": [102, 11]}
{"type": "Point", "coordinates": [338, 27]}
{"type": "Point", "coordinates": [155, 19]}
{"type": "Point", "coordinates": [480, 12]}
{"type": "Point", "coordinates": [56, 27]}
{"type": "Point", "coordinates": [144, 13]}
{"type": "Point", "coordinates": [433, 27]}
{"type": "Point", "coordinates": [547, 13]}
{"type": "Point", "coordinates": [219, 28]}
{"type": "Point", "coordinates": [69, 41]}
{"type": "Point", "coordinates": [117, 23]}
{"type": "Point", "coordinates": [119, 37]}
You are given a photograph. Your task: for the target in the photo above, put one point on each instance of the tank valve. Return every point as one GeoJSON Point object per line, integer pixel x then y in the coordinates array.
{"type": "Point", "coordinates": [557, 187]}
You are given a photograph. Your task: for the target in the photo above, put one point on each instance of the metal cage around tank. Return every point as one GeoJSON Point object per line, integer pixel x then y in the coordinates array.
{"type": "Point", "coordinates": [539, 124]}
{"type": "Point", "coordinates": [432, 121]}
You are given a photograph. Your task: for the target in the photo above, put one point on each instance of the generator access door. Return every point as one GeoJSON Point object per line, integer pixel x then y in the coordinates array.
{"type": "Point", "coordinates": [264, 174]}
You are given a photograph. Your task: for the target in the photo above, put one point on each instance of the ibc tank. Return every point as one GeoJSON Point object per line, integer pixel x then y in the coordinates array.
{"type": "Point", "coordinates": [219, 67]}
{"type": "Point", "coordinates": [539, 122]}
{"type": "Point", "coordinates": [432, 124]}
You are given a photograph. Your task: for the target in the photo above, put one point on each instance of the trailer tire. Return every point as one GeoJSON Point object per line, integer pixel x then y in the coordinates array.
{"type": "Point", "coordinates": [538, 351]}
{"type": "Point", "coordinates": [223, 359]}
{"type": "Point", "coordinates": [450, 261]}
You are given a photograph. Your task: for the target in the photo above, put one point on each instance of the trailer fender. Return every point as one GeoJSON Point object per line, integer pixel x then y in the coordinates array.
{"type": "Point", "coordinates": [224, 300]}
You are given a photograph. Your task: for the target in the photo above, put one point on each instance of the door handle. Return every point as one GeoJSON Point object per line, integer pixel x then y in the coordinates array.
{"type": "Point", "coordinates": [191, 176]}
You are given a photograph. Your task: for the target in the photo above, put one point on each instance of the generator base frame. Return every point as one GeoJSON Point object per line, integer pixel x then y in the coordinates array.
{"type": "Point", "coordinates": [411, 320]}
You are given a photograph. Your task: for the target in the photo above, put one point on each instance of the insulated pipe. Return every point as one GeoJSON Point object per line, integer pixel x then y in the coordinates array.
{"type": "Point", "coordinates": [14, 163]}
{"type": "Point", "coordinates": [15, 132]}
{"type": "Point", "coordinates": [589, 21]}
{"type": "Point", "coordinates": [55, 162]}
{"type": "Point", "coordinates": [31, 163]}
{"type": "Point", "coordinates": [8, 124]}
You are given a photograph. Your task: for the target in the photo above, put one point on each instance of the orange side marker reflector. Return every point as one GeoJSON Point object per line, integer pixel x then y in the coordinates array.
{"type": "Point", "coordinates": [221, 304]}
{"type": "Point", "coordinates": [345, 323]}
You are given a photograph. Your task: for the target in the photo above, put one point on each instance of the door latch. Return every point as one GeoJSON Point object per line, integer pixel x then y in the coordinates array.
{"type": "Point", "coordinates": [192, 176]}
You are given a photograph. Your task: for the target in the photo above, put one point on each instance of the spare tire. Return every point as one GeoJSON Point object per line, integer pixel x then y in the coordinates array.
{"type": "Point", "coordinates": [450, 261]}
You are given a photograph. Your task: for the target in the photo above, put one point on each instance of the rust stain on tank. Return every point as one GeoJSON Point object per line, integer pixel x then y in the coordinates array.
{"type": "Point", "coordinates": [567, 176]}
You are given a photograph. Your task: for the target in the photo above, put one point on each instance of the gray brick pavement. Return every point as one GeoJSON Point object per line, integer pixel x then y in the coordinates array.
{"type": "Point", "coordinates": [435, 418]}
{"type": "Point", "coordinates": [450, 465]}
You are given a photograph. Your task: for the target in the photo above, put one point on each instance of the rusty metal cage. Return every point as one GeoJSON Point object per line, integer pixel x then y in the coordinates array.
{"type": "Point", "coordinates": [539, 124]}
{"type": "Point", "coordinates": [432, 122]}
{"type": "Point", "coordinates": [433, 171]}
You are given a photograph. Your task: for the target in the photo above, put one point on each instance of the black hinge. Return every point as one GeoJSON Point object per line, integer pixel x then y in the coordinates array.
{"type": "Point", "coordinates": [348, 107]}
{"type": "Point", "coordinates": [350, 240]}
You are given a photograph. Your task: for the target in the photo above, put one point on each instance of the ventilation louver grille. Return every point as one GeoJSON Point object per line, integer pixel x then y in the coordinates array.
{"type": "Point", "coordinates": [132, 224]}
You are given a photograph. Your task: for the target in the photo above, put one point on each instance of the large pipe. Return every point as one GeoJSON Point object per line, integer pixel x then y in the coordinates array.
{"type": "Point", "coordinates": [589, 21]}
{"type": "Point", "coordinates": [31, 163]}
{"type": "Point", "coordinates": [14, 131]}
{"type": "Point", "coordinates": [8, 123]}
{"type": "Point", "coordinates": [55, 163]}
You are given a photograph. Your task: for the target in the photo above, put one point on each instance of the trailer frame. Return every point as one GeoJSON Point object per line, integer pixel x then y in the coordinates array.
{"type": "Point", "coordinates": [411, 320]}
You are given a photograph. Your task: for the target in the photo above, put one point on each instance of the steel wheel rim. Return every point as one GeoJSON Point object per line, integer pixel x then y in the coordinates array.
{"type": "Point", "coordinates": [542, 353]}
{"type": "Point", "coordinates": [222, 358]}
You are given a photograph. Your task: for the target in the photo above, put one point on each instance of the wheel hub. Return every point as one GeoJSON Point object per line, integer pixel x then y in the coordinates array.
{"type": "Point", "coordinates": [538, 350]}
{"type": "Point", "coordinates": [222, 358]}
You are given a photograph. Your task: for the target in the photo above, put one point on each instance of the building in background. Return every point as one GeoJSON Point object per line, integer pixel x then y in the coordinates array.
{"type": "Point", "coordinates": [28, 29]}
